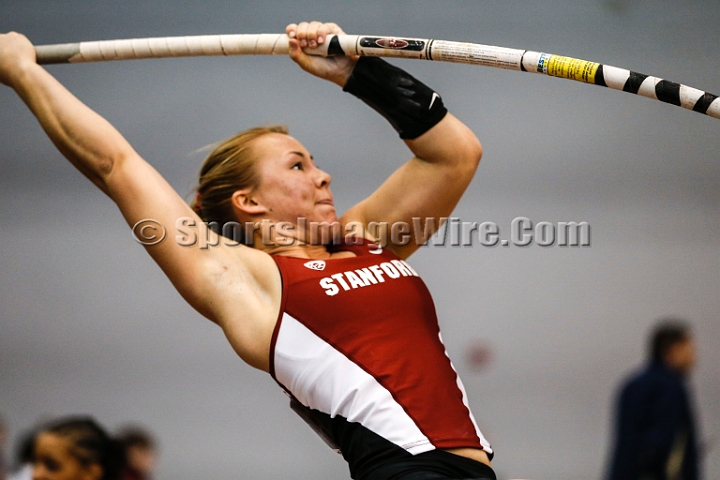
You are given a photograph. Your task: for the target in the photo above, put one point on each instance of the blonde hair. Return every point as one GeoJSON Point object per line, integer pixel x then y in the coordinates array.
{"type": "Point", "coordinates": [229, 167]}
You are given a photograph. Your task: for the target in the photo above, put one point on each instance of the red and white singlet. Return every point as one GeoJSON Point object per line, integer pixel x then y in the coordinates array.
{"type": "Point", "coordinates": [358, 343]}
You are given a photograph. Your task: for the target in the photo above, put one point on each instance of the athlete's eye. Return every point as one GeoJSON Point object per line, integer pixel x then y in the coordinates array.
{"type": "Point", "coordinates": [297, 166]}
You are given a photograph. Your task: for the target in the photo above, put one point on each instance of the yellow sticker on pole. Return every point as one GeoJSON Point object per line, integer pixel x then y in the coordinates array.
{"type": "Point", "coordinates": [571, 68]}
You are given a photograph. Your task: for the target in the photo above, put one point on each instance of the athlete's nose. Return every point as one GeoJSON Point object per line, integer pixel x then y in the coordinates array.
{"type": "Point", "coordinates": [322, 179]}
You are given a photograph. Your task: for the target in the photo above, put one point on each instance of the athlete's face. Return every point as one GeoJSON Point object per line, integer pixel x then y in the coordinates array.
{"type": "Point", "coordinates": [53, 460]}
{"type": "Point", "coordinates": [291, 186]}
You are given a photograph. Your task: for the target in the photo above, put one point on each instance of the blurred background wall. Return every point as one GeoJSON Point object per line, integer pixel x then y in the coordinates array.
{"type": "Point", "coordinates": [89, 324]}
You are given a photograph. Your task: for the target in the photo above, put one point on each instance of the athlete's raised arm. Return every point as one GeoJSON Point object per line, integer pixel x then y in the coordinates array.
{"type": "Point", "coordinates": [219, 281]}
{"type": "Point", "coordinates": [446, 152]}
{"type": "Point", "coordinates": [426, 189]}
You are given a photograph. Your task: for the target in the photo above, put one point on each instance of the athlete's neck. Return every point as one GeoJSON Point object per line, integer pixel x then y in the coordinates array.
{"type": "Point", "coordinates": [312, 252]}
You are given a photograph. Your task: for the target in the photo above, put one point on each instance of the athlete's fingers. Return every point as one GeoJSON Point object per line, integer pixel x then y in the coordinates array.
{"type": "Point", "coordinates": [312, 33]}
{"type": "Point", "coordinates": [326, 29]}
{"type": "Point", "coordinates": [296, 53]}
{"type": "Point", "coordinates": [301, 34]}
{"type": "Point", "coordinates": [295, 44]}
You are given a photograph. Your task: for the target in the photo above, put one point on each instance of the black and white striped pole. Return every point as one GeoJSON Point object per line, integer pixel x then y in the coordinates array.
{"type": "Point", "coordinates": [382, 46]}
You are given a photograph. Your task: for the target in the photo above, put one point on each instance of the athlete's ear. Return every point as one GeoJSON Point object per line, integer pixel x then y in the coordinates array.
{"type": "Point", "coordinates": [246, 203]}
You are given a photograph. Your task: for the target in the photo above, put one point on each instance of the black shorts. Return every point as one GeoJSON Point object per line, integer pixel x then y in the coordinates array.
{"type": "Point", "coordinates": [372, 457]}
{"type": "Point", "coordinates": [433, 465]}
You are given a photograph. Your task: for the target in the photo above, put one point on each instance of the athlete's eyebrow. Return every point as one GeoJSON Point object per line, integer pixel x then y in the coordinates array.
{"type": "Point", "coordinates": [302, 155]}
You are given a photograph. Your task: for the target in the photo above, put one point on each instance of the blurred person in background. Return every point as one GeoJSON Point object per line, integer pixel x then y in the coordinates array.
{"type": "Point", "coordinates": [655, 428]}
{"type": "Point", "coordinates": [141, 452]}
{"type": "Point", "coordinates": [23, 458]}
{"type": "Point", "coordinates": [75, 448]}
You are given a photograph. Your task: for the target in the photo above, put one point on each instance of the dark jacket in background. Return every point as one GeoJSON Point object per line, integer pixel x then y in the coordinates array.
{"type": "Point", "coordinates": [653, 413]}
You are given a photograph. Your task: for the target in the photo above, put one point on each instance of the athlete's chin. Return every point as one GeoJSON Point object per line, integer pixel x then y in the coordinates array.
{"type": "Point", "coordinates": [326, 207]}
{"type": "Point", "coordinates": [327, 214]}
